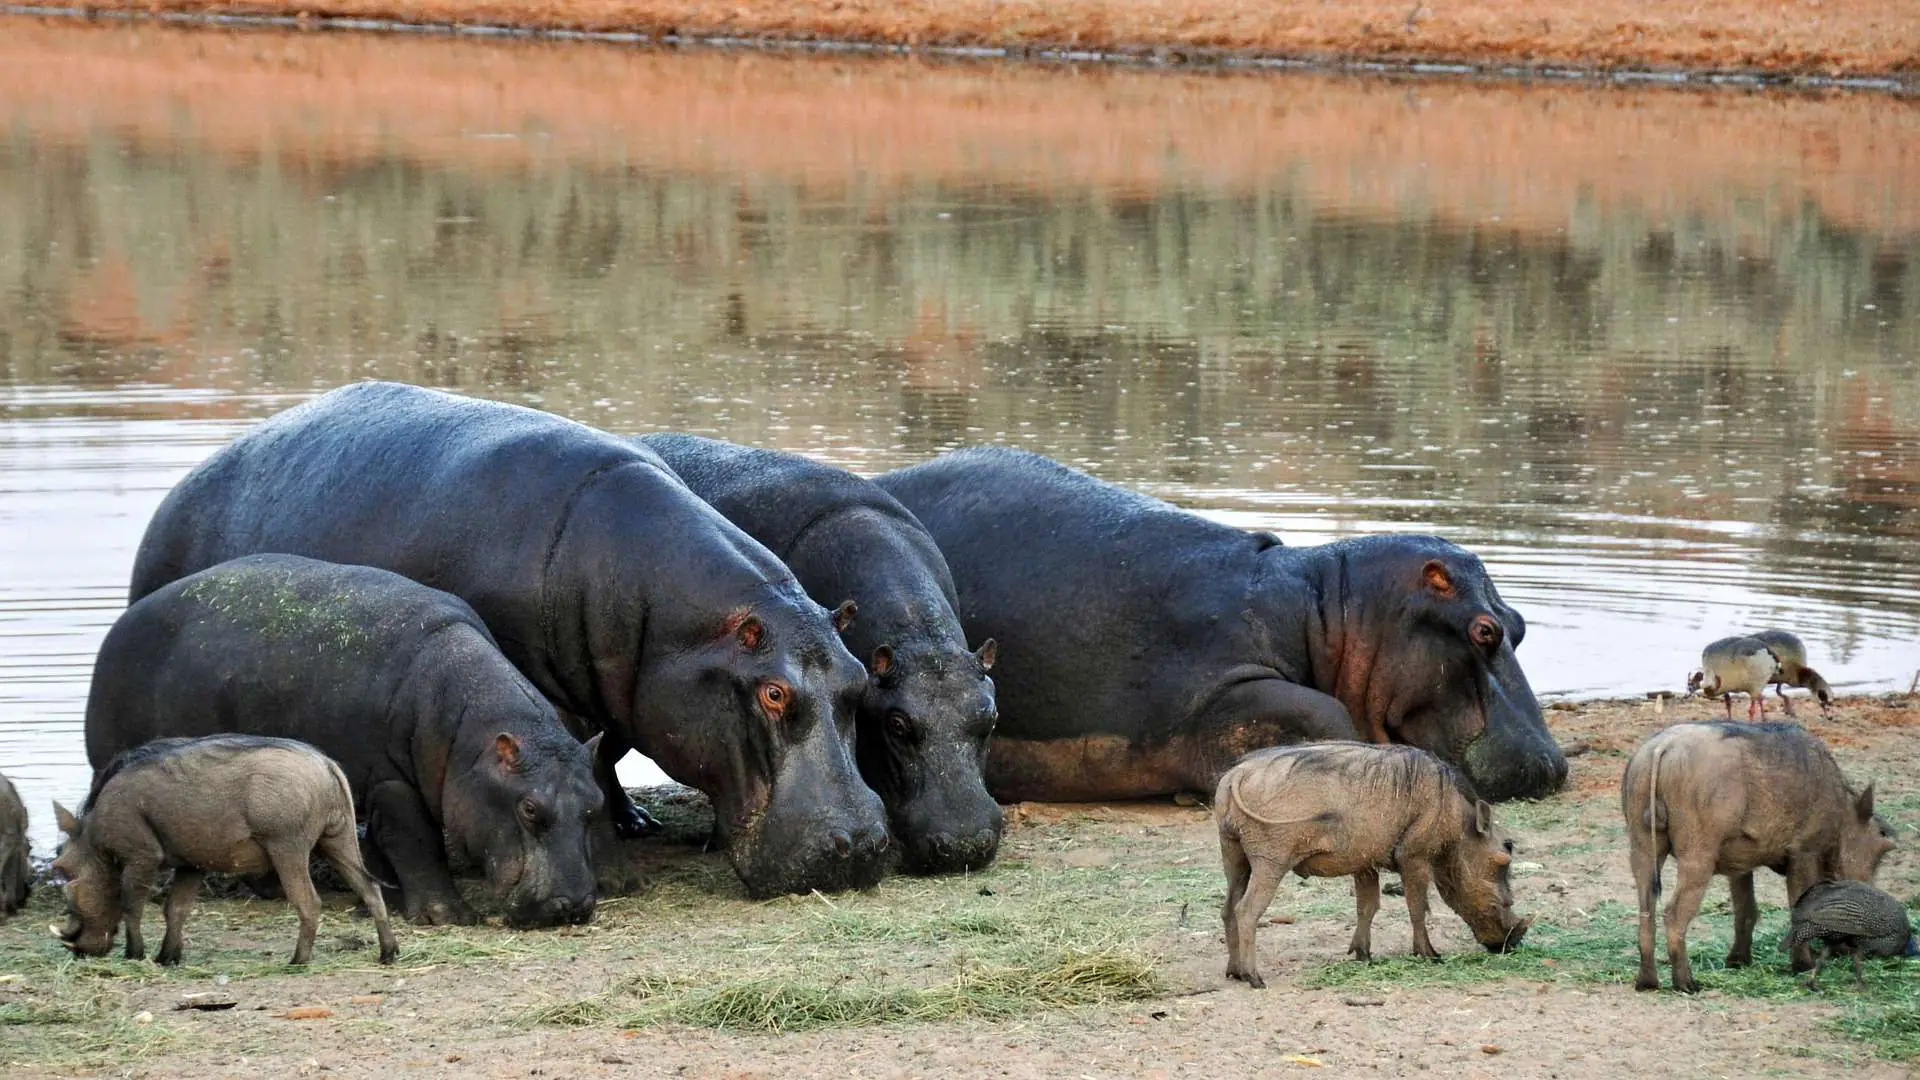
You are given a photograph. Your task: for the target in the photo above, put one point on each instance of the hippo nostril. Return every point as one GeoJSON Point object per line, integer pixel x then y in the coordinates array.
{"type": "Point", "coordinates": [942, 844]}
{"type": "Point", "coordinates": [840, 842]}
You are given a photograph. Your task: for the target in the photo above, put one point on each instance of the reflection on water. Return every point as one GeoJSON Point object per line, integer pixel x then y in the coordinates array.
{"type": "Point", "coordinates": [1663, 400]}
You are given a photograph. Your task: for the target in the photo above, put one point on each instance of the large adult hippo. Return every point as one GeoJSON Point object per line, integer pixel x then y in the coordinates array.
{"type": "Point", "coordinates": [448, 748]}
{"type": "Point", "coordinates": [626, 600]}
{"type": "Point", "coordinates": [928, 707]}
{"type": "Point", "coordinates": [1143, 648]}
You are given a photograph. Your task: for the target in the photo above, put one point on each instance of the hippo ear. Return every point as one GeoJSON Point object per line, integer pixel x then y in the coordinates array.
{"type": "Point", "coordinates": [1437, 577]}
{"type": "Point", "coordinates": [65, 819]}
{"type": "Point", "coordinates": [882, 661]}
{"type": "Point", "coordinates": [1863, 805]}
{"type": "Point", "coordinates": [506, 750]}
{"type": "Point", "coordinates": [987, 653]}
{"type": "Point", "coordinates": [843, 615]}
{"type": "Point", "coordinates": [1482, 818]}
{"type": "Point", "coordinates": [751, 633]}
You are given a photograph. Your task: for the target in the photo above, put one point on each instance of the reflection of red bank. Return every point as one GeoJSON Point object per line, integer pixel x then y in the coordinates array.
{"type": "Point", "coordinates": [1535, 157]}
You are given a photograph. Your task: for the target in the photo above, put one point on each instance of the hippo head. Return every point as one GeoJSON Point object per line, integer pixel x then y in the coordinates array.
{"type": "Point", "coordinates": [777, 693]}
{"type": "Point", "coordinates": [1472, 876]}
{"type": "Point", "coordinates": [1425, 656]}
{"type": "Point", "coordinates": [521, 806]}
{"type": "Point", "coordinates": [924, 723]}
{"type": "Point", "coordinates": [90, 887]}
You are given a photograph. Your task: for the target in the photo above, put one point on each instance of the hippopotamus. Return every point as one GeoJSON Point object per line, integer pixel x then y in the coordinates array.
{"type": "Point", "coordinates": [448, 749]}
{"type": "Point", "coordinates": [928, 707]}
{"type": "Point", "coordinates": [633, 606]}
{"type": "Point", "coordinates": [1144, 649]}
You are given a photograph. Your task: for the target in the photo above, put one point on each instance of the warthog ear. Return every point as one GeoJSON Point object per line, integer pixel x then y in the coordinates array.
{"type": "Point", "coordinates": [843, 615]}
{"type": "Point", "coordinates": [1482, 818]}
{"type": "Point", "coordinates": [882, 661]}
{"type": "Point", "coordinates": [506, 750]}
{"type": "Point", "coordinates": [65, 819]}
{"type": "Point", "coordinates": [593, 746]}
{"type": "Point", "coordinates": [1863, 805]}
{"type": "Point", "coordinates": [987, 653]}
{"type": "Point", "coordinates": [1438, 578]}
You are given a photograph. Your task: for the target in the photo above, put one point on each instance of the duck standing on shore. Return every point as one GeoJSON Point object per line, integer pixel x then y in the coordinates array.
{"type": "Point", "coordinates": [1792, 654]}
{"type": "Point", "coordinates": [1736, 665]}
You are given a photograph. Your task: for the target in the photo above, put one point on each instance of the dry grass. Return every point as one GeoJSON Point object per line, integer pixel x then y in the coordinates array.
{"type": "Point", "coordinates": [1858, 37]}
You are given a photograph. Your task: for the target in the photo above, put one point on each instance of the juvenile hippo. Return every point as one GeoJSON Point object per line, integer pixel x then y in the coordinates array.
{"type": "Point", "coordinates": [16, 876]}
{"type": "Point", "coordinates": [235, 803]}
{"type": "Point", "coordinates": [1340, 809]}
{"type": "Point", "coordinates": [451, 752]}
{"type": "Point", "coordinates": [1729, 798]}
{"type": "Point", "coordinates": [1143, 649]}
{"type": "Point", "coordinates": [631, 604]}
{"type": "Point", "coordinates": [928, 706]}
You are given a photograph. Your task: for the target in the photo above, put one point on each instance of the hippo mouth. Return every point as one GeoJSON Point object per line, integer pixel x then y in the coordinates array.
{"type": "Point", "coordinates": [1515, 768]}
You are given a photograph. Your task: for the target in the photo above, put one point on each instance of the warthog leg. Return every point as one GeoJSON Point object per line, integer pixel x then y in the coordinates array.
{"type": "Point", "coordinates": [1414, 875]}
{"type": "Point", "coordinates": [1746, 912]}
{"type": "Point", "coordinates": [1689, 889]}
{"type": "Point", "coordinates": [1366, 901]}
{"type": "Point", "coordinates": [180, 897]}
{"type": "Point", "coordinates": [290, 862]}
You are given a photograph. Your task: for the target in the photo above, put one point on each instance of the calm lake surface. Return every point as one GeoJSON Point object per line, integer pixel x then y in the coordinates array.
{"type": "Point", "coordinates": [1653, 354]}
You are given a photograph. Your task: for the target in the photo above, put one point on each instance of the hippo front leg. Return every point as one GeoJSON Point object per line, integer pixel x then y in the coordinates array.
{"type": "Point", "coordinates": [1256, 713]}
{"type": "Point", "coordinates": [409, 840]}
{"type": "Point", "coordinates": [630, 820]}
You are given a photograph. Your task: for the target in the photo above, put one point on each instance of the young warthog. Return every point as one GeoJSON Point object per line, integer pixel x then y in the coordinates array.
{"type": "Point", "coordinates": [1334, 809]}
{"type": "Point", "coordinates": [16, 877]}
{"type": "Point", "coordinates": [237, 803]}
{"type": "Point", "coordinates": [1729, 798]}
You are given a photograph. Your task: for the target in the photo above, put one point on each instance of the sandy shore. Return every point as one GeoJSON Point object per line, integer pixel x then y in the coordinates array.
{"type": "Point", "coordinates": [1874, 39]}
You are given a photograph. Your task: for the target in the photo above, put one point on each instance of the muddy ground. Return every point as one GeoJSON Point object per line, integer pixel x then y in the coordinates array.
{"type": "Point", "coordinates": [1817, 37]}
{"type": "Point", "coordinates": [1104, 903]}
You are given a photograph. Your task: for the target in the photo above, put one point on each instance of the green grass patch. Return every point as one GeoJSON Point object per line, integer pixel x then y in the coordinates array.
{"type": "Point", "coordinates": [796, 1001]}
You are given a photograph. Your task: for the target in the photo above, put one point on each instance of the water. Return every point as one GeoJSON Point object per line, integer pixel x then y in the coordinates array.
{"type": "Point", "coordinates": [1651, 353]}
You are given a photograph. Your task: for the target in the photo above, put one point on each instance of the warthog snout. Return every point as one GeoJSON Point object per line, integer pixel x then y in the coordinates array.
{"type": "Point", "coordinates": [1512, 938]}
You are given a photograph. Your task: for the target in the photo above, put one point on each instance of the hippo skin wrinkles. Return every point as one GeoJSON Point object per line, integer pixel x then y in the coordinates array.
{"type": "Point", "coordinates": [1144, 649]}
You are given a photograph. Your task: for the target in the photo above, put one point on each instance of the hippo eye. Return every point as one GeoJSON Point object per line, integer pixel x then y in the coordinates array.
{"type": "Point", "coordinates": [530, 813]}
{"type": "Point", "coordinates": [898, 725]}
{"type": "Point", "coordinates": [773, 698]}
{"type": "Point", "coordinates": [1485, 631]}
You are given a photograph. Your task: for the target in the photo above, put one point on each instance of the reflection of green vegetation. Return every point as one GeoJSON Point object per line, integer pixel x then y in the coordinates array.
{"type": "Point", "coordinates": [1268, 325]}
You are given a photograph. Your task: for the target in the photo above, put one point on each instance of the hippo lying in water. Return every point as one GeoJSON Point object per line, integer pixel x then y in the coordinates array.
{"type": "Point", "coordinates": [626, 600]}
{"type": "Point", "coordinates": [448, 748]}
{"type": "Point", "coordinates": [1144, 649]}
{"type": "Point", "coordinates": [928, 706]}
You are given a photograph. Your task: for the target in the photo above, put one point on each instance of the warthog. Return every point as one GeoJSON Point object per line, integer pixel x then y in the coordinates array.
{"type": "Point", "coordinates": [16, 877]}
{"type": "Point", "coordinates": [1337, 809]}
{"type": "Point", "coordinates": [1729, 798]}
{"type": "Point", "coordinates": [242, 804]}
